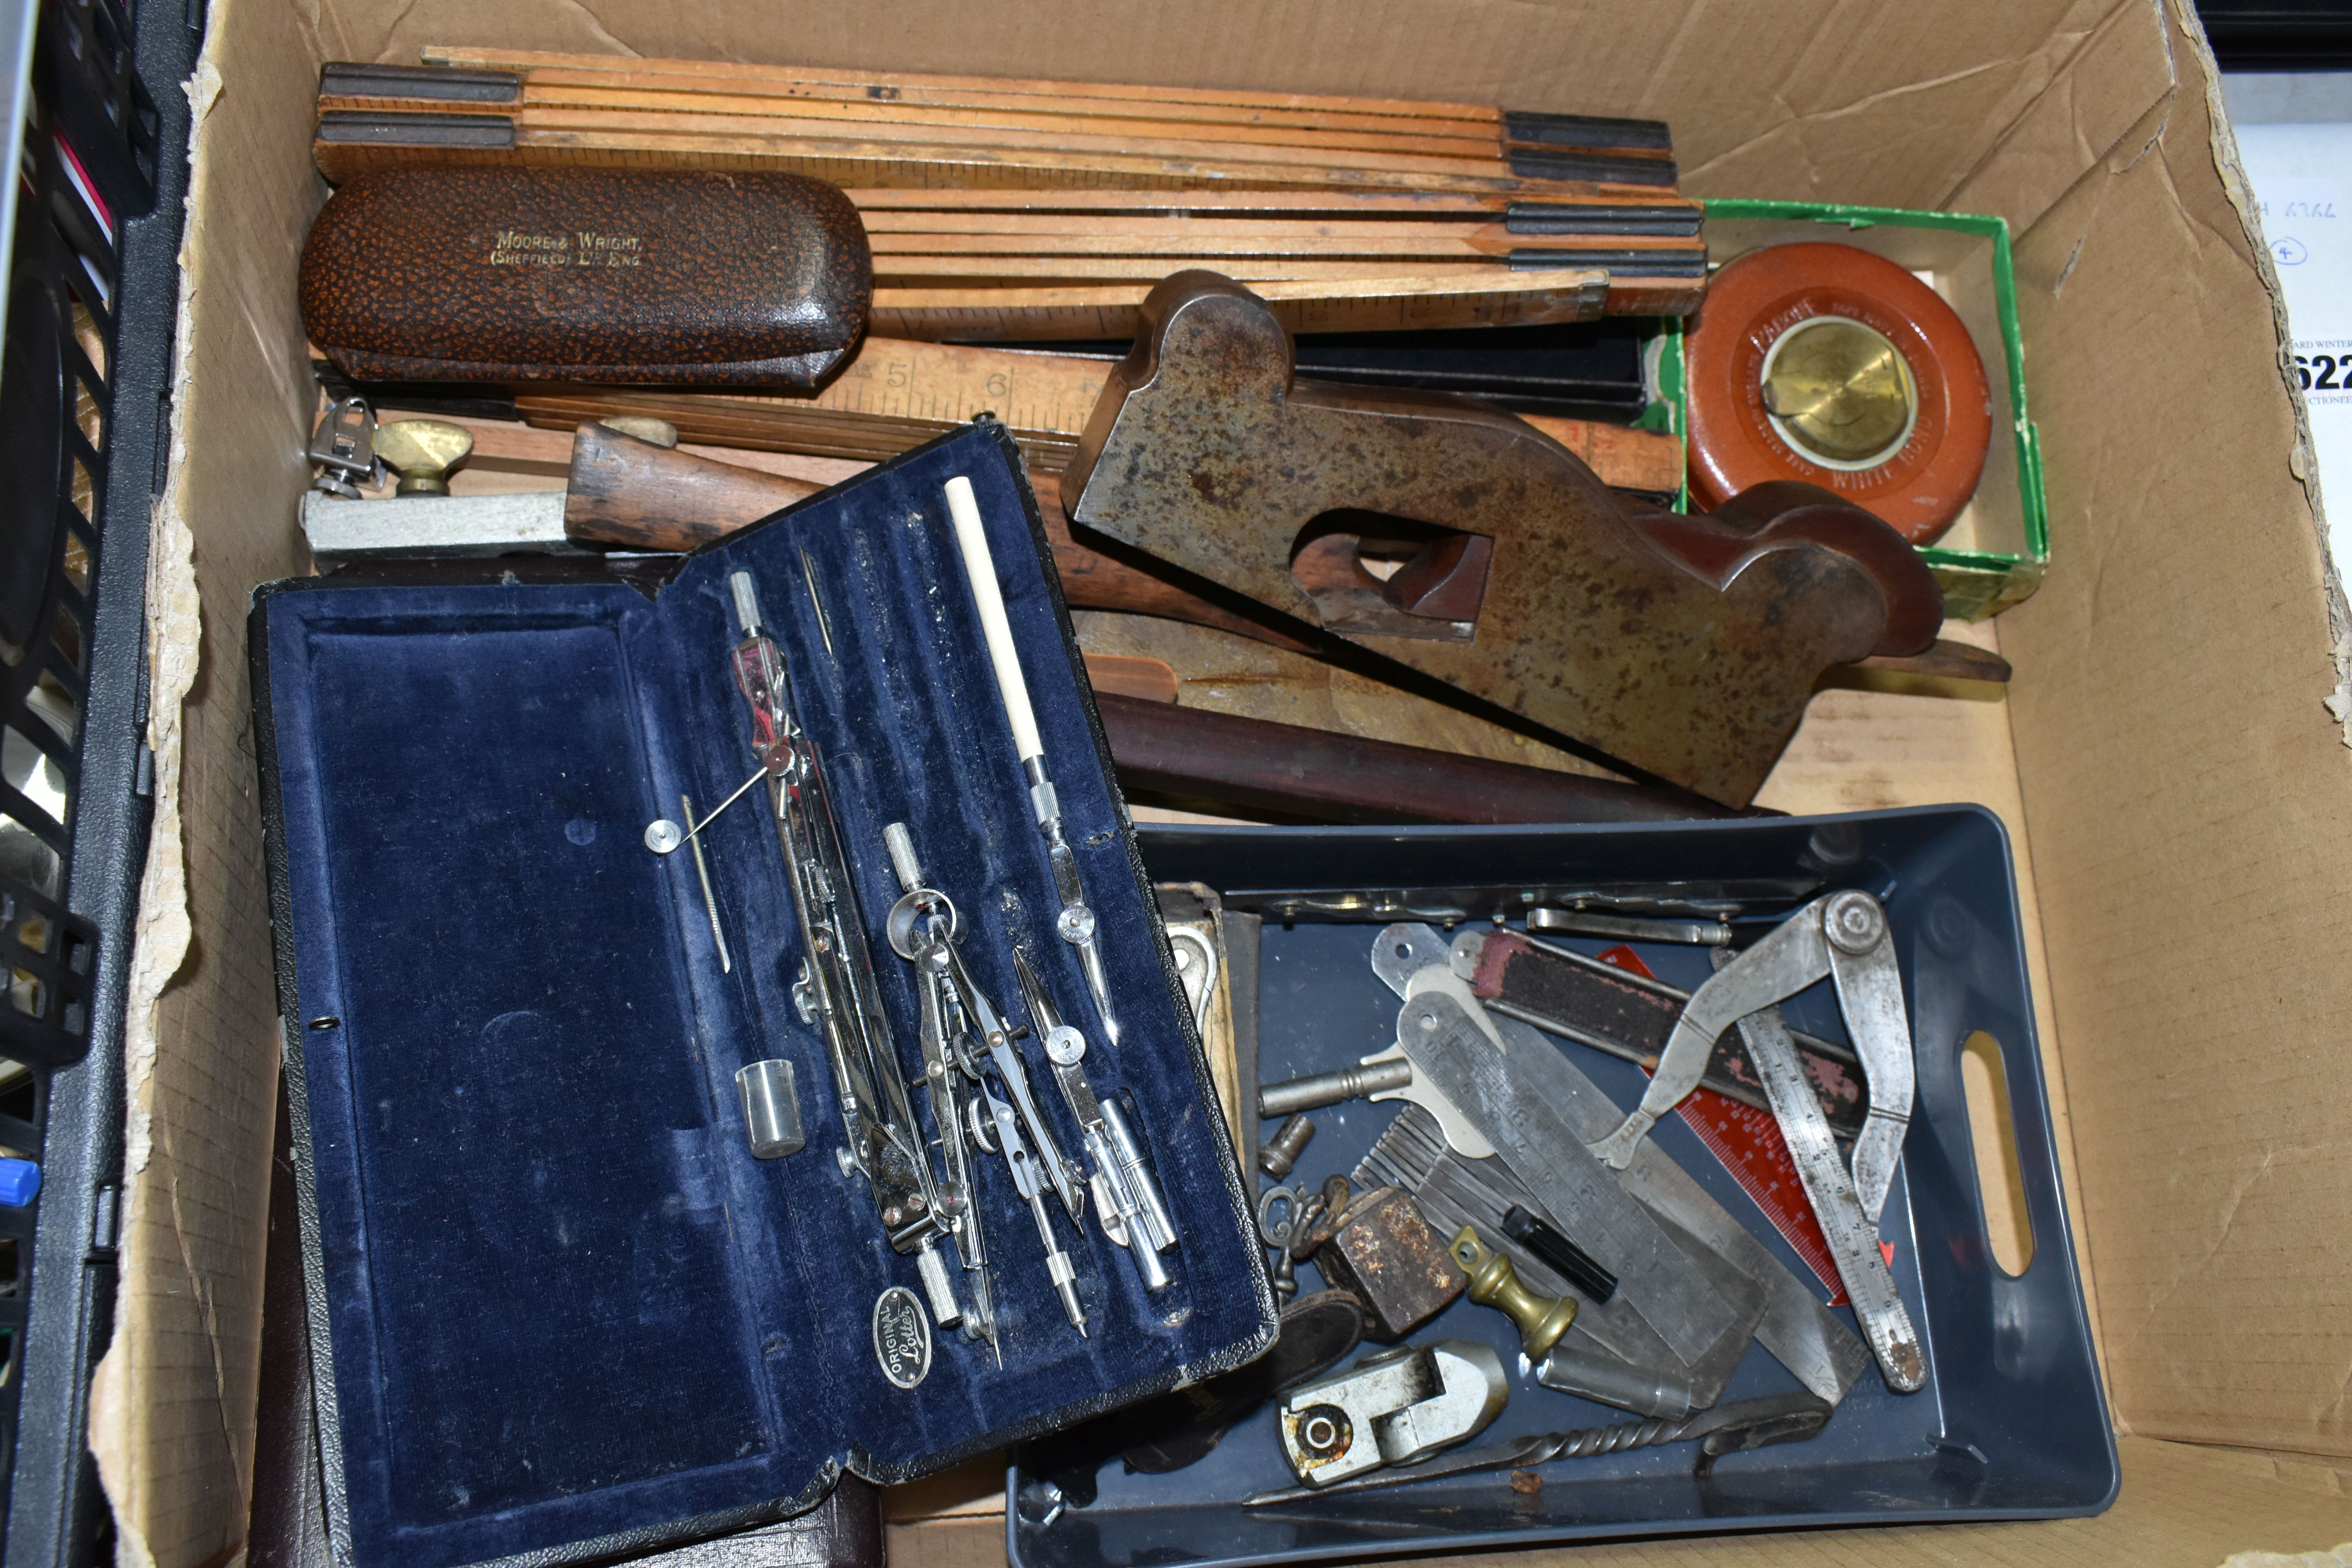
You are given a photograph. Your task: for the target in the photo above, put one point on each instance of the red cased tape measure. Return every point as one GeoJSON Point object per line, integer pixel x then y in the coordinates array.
{"type": "Point", "coordinates": [1828, 364]}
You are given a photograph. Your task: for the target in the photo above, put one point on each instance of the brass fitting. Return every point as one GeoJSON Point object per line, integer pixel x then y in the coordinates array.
{"type": "Point", "coordinates": [423, 452]}
{"type": "Point", "coordinates": [1494, 1283]}
{"type": "Point", "coordinates": [643, 426]}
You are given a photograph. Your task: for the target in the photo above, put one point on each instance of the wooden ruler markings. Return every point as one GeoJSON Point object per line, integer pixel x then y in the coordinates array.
{"type": "Point", "coordinates": [896, 394]}
{"type": "Point", "coordinates": [478, 59]}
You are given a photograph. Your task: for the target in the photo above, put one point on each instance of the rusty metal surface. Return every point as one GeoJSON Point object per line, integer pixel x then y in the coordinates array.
{"type": "Point", "coordinates": [1687, 649]}
{"type": "Point", "coordinates": [1384, 1254]}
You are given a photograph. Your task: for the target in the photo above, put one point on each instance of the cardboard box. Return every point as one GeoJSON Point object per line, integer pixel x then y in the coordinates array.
{"type": "Point", "coordinates": [2166, 758]}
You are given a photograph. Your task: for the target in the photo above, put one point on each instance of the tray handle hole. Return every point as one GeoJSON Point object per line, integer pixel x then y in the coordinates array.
{"type": "Point", "coordinates": [2000, 1176]}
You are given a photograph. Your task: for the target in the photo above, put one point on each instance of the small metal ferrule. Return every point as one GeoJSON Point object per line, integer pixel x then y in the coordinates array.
{"type": "Point", "coordinates": [946, 1310]}
{"type": "Point", "coordinates": [1151, 1214]}
{"type": "Point", "coordinates": [1605, 1379]}
{"type": "Point", "coordinates": [1043, 801]}
{"type": "Point", "coordinates": [771, 1109]}
{"type": "Point", "coordinates": [901, 845]}
{"type": "Point", "coordinates": [1322, 1089]}
{"type": "Point", "coordinates": [747, 601]}
{"type": "Point", "coordinates": [643, 426]}
{"type": "Point", "coordinates": [1278, 1156]}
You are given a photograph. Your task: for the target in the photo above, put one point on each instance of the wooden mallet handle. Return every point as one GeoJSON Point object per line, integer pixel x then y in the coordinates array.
{"type": "Point", "coordinates": [633, 493]}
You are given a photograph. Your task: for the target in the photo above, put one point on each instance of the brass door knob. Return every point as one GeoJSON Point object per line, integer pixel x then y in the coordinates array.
{"type": "Point", "coordinates": [1541, 1319]}
{"type": "Point", "coordinates": [423, 453]}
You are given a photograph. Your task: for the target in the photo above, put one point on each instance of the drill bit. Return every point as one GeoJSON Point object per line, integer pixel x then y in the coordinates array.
{"type": "Point", "coordinates": [1725, 1430]}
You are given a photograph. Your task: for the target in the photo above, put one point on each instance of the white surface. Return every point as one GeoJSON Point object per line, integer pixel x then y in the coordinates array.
{"type": "Point", "coordinates": [17, 22]}
{"type": "Point", "coordinates": [432, 525]}
{"type": "Point", "coordinates": [2287, 97]}
{"type": "Point", "coordinates": [980, 567]}
{"type": "Point", "coordinates": [2300, 175]}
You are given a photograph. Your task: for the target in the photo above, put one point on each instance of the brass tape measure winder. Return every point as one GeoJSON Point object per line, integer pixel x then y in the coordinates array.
{"type": "Point", "coordinates": [1830, 365]}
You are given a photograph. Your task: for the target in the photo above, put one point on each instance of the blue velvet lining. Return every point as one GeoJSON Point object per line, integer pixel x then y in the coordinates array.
{"type": "Point", "coordinates": [563, 1301]}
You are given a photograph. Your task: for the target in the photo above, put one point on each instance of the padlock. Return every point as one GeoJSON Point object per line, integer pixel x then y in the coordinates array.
{"type": "Point", "coordinates": [1381, 1250]}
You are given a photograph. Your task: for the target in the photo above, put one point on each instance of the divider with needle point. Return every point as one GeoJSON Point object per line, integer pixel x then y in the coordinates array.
{"type": "Point", "coordinates": [1076, 925]}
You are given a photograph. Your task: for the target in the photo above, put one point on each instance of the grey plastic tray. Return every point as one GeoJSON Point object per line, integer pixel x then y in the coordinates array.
{"type": "Point", "coordinates": [2012, 1423]}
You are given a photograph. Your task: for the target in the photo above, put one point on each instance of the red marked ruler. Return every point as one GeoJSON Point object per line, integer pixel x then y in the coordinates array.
{"type": "Point", "coordinates": [1748, 1142]}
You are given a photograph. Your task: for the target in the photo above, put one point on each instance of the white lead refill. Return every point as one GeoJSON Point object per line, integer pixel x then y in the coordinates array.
{"type": "Point", "coordinates": [980, 568]}
{"type": "Point", "coordinates": [1075, 924]}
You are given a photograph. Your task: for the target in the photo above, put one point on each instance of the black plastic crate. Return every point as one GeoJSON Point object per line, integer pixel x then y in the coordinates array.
{"type": "Point", "coordinates": [90, 304]}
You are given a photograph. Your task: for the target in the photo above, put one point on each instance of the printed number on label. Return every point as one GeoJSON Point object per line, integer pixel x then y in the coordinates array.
{"type": "Point", "coordinates": [2328, 366]}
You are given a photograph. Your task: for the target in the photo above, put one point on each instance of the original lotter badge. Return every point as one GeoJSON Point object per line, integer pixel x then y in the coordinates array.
{"type": "Point", "coordinates": [902, 1337]}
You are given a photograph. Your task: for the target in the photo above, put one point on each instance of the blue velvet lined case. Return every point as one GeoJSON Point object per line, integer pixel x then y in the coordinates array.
{"type": "Point", "coordinates": [557, 1309]}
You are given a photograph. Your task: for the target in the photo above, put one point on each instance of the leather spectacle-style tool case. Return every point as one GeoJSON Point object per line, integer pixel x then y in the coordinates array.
{"type": "Point", "coordinates": [558, 1308]}
{"type": "Point", "coordinates": [636, 276]}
